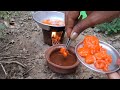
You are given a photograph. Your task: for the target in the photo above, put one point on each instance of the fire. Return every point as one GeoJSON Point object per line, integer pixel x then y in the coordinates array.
{"type": "Point", "coordinates": [55, 37]}
{"type": "Point", "coordinates": [53, 34]}
{"type": "Point", "coordinates": [64, 51]}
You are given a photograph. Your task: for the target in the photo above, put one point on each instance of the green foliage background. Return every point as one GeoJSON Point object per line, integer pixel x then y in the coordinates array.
{"type": "Point", "coordinates": [109, 28]}
{"type": "Point", "coordinates": [6, 15]}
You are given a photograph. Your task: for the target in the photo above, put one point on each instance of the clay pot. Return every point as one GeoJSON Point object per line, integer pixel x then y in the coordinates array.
{"type": "Point", "coordinates": [58, 68]}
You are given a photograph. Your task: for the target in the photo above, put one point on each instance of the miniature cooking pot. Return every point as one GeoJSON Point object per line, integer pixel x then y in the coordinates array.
{"type": "Point", "coordinates": [57, 68]}
{"type": "Point", "coordinates": [39, 16]}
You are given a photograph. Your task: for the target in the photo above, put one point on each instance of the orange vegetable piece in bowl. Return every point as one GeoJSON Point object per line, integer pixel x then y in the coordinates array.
{"type": "Point", "coordinates": [100, 64]}
{"type": "Point", "coordinates": [106, 68]}
{"type": "Point", "coordinates": [84, 51]}
{"type": "Point", "coordinates": [103, 50]}
{"type": "Point", "coordinates": [56, 22]}
{"type": "Point", "coordinates": [90, 59]}
{"type": "Point", "coordinates": [47, 21]}
{"type": "Point", "coordinates": [91, 41]}
{"type": "Point", "coordinates": [95, 49]}
{"type": "Point", "coordinates": [108, 59]}
{"type": "Point", "coordinates": [64, 51]}
{"type": "Point", "coordinates": [100, 55]}
{"type": "Point", "coordinates": [94, 53]}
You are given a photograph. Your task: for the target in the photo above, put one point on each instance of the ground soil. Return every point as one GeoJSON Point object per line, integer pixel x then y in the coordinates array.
{"type": "Point", "coordinates": [25, 45]}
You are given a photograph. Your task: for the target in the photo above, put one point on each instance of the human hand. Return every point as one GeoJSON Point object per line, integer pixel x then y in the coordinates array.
{"type": "Point", "coordinates": [115, 75]}
{"type": "Point", "coordinates": [75, 26]}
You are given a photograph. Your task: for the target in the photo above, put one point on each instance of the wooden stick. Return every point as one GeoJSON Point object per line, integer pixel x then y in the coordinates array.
{"type": "Point", "coordinates": [9, 57]}
{"type": "Point", "coordinates": [50, 77]}
{"type": "Point", "coordinates": [28, 70]}
{"type": "Point", "coordinates": [4, 69]}
{"type": "Point", "coordinates": [13, 62]}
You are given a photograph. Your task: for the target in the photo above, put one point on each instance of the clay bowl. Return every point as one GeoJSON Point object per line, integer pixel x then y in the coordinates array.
{"type": "Point", "coordinates": [62, 69]}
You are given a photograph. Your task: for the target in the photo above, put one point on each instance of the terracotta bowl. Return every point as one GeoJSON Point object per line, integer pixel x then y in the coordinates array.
{"type": "Point", "coordinates": [57, 68]}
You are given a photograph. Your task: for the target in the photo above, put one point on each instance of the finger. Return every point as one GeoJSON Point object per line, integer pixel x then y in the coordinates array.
{"type": "Point", "coordinates": [67, 28]}
{"type": "Point", "coordinates": [93, 19]}
{"type": "Point", "coordinates": [118, 62]}
{"type": "Point", "coordinates": [72, 17]}
{"type": "Point", "coordinates": [70, 26]}
{"type": "Point", "coordinates": [66, 18]}
{"type": "Point", "coordinates": [81, 25]}
{"type": "Point", "coordinates": [96, 17]}
{"type": "Point", "coordinates": [114, 75]}
{"type": "Point", "coordinates": [89, 12]}
{"type": "Point", "coordinates": [118, 72]}
{"type": "Point", "coordinates": [74, 35]}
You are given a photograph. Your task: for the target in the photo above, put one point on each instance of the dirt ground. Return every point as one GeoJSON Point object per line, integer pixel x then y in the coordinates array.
{"type": "Point", "coordinates": [25, 45]}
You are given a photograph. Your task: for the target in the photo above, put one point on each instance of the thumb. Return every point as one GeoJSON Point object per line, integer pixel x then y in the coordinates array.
{"type": "Point", "coordinates": [81, 26]}
{"type": "Point", "coordinates": [118, 62]}
{"type": "Point", "coordinates": [93, 18]}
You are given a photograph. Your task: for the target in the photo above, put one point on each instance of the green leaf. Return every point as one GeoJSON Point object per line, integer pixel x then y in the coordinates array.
{"type": "Point", "coordinates": [111, 27]}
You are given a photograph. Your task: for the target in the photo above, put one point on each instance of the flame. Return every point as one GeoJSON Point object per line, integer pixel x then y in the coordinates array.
{"type": "Point", "coordinates": [53, 34]}
{"type": "Point", "coordinates": [55, 37]}
{"type": "Point", "coordinates": [64, 52]}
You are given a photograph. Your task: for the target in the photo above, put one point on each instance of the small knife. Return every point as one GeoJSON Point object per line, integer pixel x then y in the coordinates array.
{"type": "Point", "coordinates": [72, 37]}
{"type": "Point", "coordinates": [68, 43]}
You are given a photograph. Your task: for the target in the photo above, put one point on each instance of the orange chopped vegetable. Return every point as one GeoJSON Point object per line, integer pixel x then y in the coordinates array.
{"type": "Point", "coordinates": [90, 59]}
{"type": "Point", "coordinates": [103, 50]}
{"type": "Point", "coordinates": [91, 41]}
{"type": "Point", "coordinates": [105, 68]}
{"type": "Point", "coordinates": [84, 51]}
{"type": "Point", "coordinates": [64, 51]}
{"type": "Point", "coordinates": [55, 22]}
{"type": "Point", "coordinates": [100, 64]}
{"type": "Point", "coordinates": [100, 55]}
{"type": "Point", "coordinates": [94, 53]}
{"type": "Point", "coordinates": [108, 59]}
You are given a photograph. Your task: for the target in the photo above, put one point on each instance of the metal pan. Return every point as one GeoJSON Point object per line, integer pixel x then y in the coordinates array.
{"type": "Point", "coordinates": [110, 50]}
{"type": "Point", "coordinates": [39, 16]}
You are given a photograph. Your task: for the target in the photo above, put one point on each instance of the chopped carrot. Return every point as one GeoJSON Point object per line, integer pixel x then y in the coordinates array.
{"type": "Point", "coordinates": [103, 50]}
{"type": "Point", "coordinates": [94, 53]}
{"type": "Point", "coordinates": [100, 64]}
{"type": "Point", "coordinates": [91, 41]}
{"type": "Point", "coordinates": [100, 55]}
{"type": "Point", "coordinates": [105, 68]}
{"type": "Point", "coordinates": [84, 51]}
{"type": "Point", "coordinates": [90, 59]}
{"type": "Point", "coordinates": [95, 49]}
{"type": "Point", "coordinates": [56, 22]}
{"type": "Point", "coordinates": [108, 59]}
{"type": "Point", "coordinates": [64, 51]}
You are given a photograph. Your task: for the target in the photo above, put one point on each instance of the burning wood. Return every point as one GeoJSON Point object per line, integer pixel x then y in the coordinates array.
{"type": "Point", "coordinates": [55, 38]}
{"type": "Point", "coordinates": [53, 34]}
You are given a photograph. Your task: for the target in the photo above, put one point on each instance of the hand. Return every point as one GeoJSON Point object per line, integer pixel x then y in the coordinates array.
{"type": "Point", "coordinates": [115, 75]}
{"type": "Point", "coordinates": [75, 27]}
